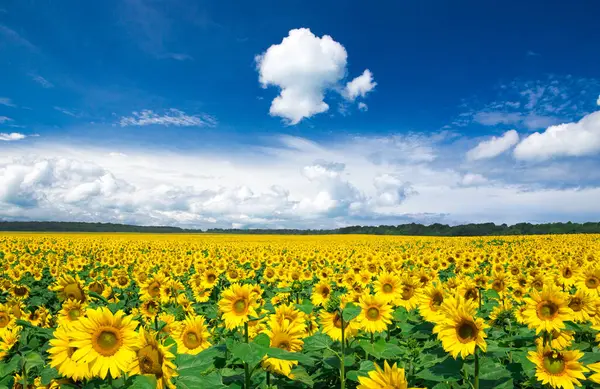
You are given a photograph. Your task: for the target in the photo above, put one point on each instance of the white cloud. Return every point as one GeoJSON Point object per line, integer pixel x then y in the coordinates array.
{"type": "Point", "coordinates": [493, 118]}
{"type": "Point", "coordinates": [304, 67]}
{"type": "Point", "coordinates": [42, 81]}
{"type": "Point", "coordinates": [7, 102]}
{"type": "Point", "coordinates": [598, 101]}
{"type": "Point", "coordinates": [493, 147]}
{"type": "Point", "coordinates": [569, 139]}
{"type": "Point", "coordinates": [11, 136]}
{"type": "Point", "coordinates": [67, 112]}
{"type": "Point", "coordinates": [360, 86]}
{"type": "Point", "coordinates": [295, 182]}
{"type": "Point", "coordinates": [4, 119]}
{"type": "Point", "coordinates": [172, 117]}
{"type": "Point", "coordinates": [473, 179]}
{"type": "Point", "coordinates": [363, 107]}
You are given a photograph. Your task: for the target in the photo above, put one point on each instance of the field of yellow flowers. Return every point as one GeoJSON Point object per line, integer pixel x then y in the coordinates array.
{"type": "Point", "coordinates": [225, 311]}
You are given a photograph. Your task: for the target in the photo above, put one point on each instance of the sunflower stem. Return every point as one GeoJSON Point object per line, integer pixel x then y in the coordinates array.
{"type": "Point", "coordinates": [476, 374]}
{"type": "Point", "coordinates": [268, 379]}
{"type": "Point", "coordinates": [342, 367]}
{"type": "Point", "coordinates": [246, 367]}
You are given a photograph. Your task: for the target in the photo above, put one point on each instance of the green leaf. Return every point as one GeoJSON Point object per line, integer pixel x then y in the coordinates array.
{"type": "Point", "coordinates": [48, 374]}
{"type": "Point", "coordinates": [363, 371]}
{"type": "Point", "coordinates": [299, 374]}
{"type": "Point", "coordinates": [195, 365]}
{"type": "Point", "coordinates": [143, 382]}
{"type": "Point", "coordinates": [307, 307]}
{"type": "Point", "coordinates": [449, 370]}
{"type": "Point", "coordinates": [335, 361]}
{"type": "Point", "coordinates": [33, 360]}
{"type": "Point", "coordinates": [350, 312]}
{"type": "Point", "coordinates": [250, 353]}
{"type": "Point", "coordinates": [571, 326]}
{"type": "Point", "coordinates": [10, 367]}
{"type": "Point", "coordinates": [317, 342]}
{"type": "Point", "coordinates": [380, 349]}
{"type": "Point", "coordinates": [289, 356]}
{"type": "Point", "coordinates": [209, 381]}
{"type": "Point", "coordinates": [262, 340]}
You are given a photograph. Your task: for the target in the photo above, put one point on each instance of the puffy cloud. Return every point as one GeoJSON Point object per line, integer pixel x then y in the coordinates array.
{"type": "Point", "coordinates": [304, 67]}
{"type": "Point", "coordinates": [598, 101]}
{"type": "Point", "coordinates": [390, 190]}
{"type": "Point", "coordinates": [473, 179]}
{"type": "Point", "coordinates": [363, 107]}
{"type": "Point", "coordinates": [493, 147]}
{"type": "Point", "coordinates": [172, 117]}
{"type": "Point", "coordinates": [569, 139]}
{"type": "Point", "coordinates": [11, 136]}
{"type": "Point", "coordinates": [360, 86]}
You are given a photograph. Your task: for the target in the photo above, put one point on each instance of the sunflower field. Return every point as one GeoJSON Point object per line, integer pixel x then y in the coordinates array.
{"type": "Point", "coordinates": [224, 311]}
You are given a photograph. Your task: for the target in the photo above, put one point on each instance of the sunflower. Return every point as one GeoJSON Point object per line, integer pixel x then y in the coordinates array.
{"type": "Point", "coordinates": [61, 356]}
{"type": "Point", "coordinates": [376, 313]}
{"type": "Point", "coordinates": [430, 301]}
{"type": "Point", "coordinates": [150, 289]}
{"type": "Point", "coordinates": [583, 304]}
{"type": "Point", "coordinates": [408, 295]}
{"type": "Point", "coordinates": [6, 317]}
{"type": "Point", "coordinates": [568, 274]}
{"type": "Point", "coordinates": [201, 294]}
{"type": "Point", "coordinates": [211, 278]}
{"type": "Point", "coordinates": [238, 303]}
{"type": "Point", "coordinates": [105, 341]}
{"type": "Point", "coordinates": [8, 338]}
{"type": "Point", "coordinates": [590, 279]}
{"type": "Point", "coordinates": [69, 287]}
{"type": "Point", "coordinates": [170, 290]}
{"type": "Point", "coordinates": [386, 378]}
{"type": "Point", "coordinates": [153, 359]}
{"type": "Point", "coordinates": [388, 286]}
{"type": "Point", "coordinates": [286, 335]}
{"type": "Point", "coordinates": [321, 293]}
{"type": "Point", "coordinates": [595, 368]}
{"type": "Point", "coordinates": [149, 308]}
{"type": "Point", "coordinates": [560, 340]}
{"type": "Point", "coordinates": [290, 313]}
{"type": "Point", "coordinates": [459, 331]}
{"type": "Point", "coordinates": [192, 335]}
{"type": "Point", "coordinates": [71, 311]}
{"type": "Point", "coordinates": [546, 310]}
{"type": "Point", "coordinates": [20, 291]}
{"type": "Point", "coordinates": [331, 325]}
{"type": "Point", "coordinates": [559, 369]}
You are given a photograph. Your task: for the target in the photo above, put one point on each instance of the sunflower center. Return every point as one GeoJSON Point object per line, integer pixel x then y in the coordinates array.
{"type": "Point", "coordinates": [211, 278]}
{"type": "Point", "coordinates": [576, 304]}
{"type": "Point", "coordinates": [547, 310]}
{"type": "Point", "coordinates": [240, 306]}
{"type": "Point", "coordinates": [567, 273]}
{"type": "Point", "coordinates": [152, 307]}
{"type": "Point", "coordinates": [325, 292]}
{"type": "Point", "coordinates": [592, 282]}
{"type": "Point", "coordinates": [107, 341]}
{"type": "Point", "coordinates": [71, 351]}
{"type": "Point", "coordinates": [192, 339]}
{"type": "Point", "coordinates": [554, 363]}
{"type": "Point", "coordinates": [97, 287]}
{"type": "Point", "coordinates": [373, 313]}
{"type": "Point", "coordinates": [150, 359]}
{"type": "Point", "coordinates": [407, 292]}
{"type": "Point", "coordinates": [466, 332]}
{"type": "Point", "coordinates": [337, 321]}
{"type": "Point", "coordinates": [20, 291]}
{"type": "Point", "coordinates": [538, 284]}
{"type": "Point", "coordinates": [73, 291]}
{"type": "Point", "coordinates": [74, 314]}
{"type": "Point", "coordinates": [437, 299]}
{"type": "Point", "coordinates": [154, 289]}
{"type": "Point", "coordinates": [387, 288]}
{"type": "Point", "coordinates": [284, 345]}
{"type": "Point", "coordinates": [498, 285]}
{"type": "Point", "coordinates": [3, 319]}
{"type": "Point", "coordinates": [471, 294]}
{"type": "Point", "coordinates": [122, 280]}
{"type": "Point", "coordinates": [518, 293]}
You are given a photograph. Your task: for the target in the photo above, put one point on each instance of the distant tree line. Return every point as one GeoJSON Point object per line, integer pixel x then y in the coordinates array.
{"type": "Point", "coordinates": [481, 229]}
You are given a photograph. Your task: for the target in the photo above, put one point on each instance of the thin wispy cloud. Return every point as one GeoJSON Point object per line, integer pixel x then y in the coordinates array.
{"type": "Point", "coordinates": [171, 117]}
{"type": "Point", "coordinates": [42, 81]}
{"type": "Point", "coordinates": [7, 102]}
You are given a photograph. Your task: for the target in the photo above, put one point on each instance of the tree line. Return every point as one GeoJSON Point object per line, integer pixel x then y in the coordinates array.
{"type": "Point", "coordinates": [437, 229]}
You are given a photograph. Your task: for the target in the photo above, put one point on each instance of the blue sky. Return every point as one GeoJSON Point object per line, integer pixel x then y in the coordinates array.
{"type": "Point", "coordinates": [299, 114]}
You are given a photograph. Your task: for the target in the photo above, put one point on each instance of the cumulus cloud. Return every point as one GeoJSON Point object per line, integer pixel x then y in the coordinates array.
{"type": "Point", "coordinates": [493, 147]}
{"type": "Point", "coordinates": [568, 139]}
{"type": "Point", "coordinates": [598, 101]}
{"type": "Point", "coordinates": [11, 136]}
{"type": "Point", "coordinates": [172, 117]}
{"type": "Point", "coordinates": [360, 86]}
{"type": "Point", "coordinates": [363, 107]}
{"type": "Point", "coordinates": [304, 67]}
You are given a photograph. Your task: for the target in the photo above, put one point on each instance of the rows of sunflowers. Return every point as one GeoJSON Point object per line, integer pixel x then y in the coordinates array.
{"type": "Point", "coordinates": [210, 311]}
